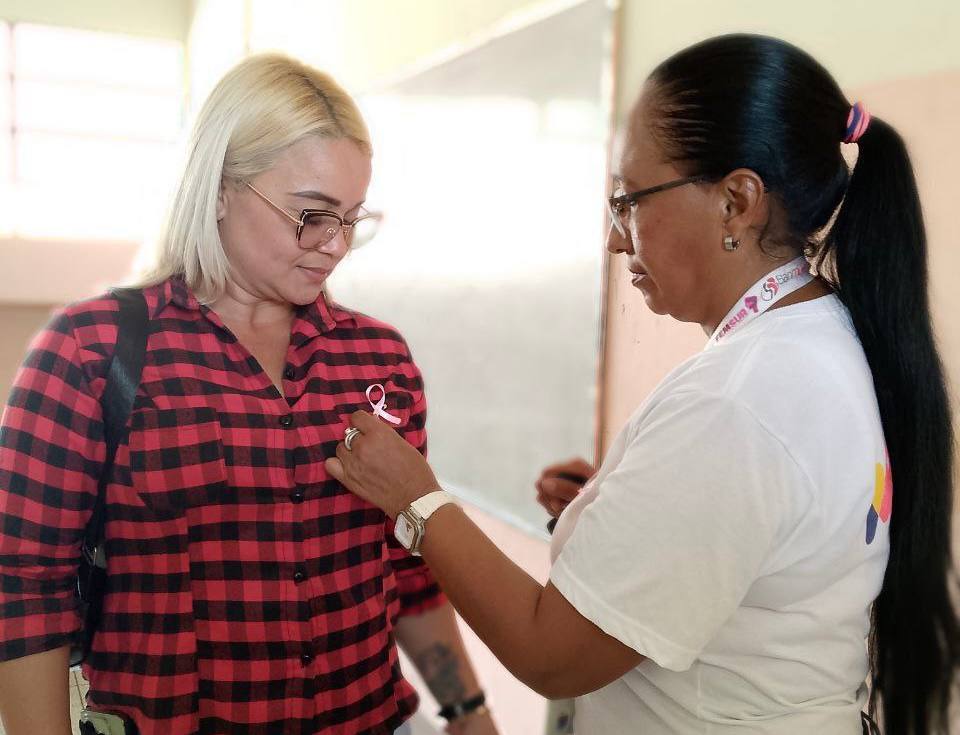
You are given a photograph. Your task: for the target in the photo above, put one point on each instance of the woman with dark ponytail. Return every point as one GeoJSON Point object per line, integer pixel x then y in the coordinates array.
{"type": "Point", "coordinates": [876, 255]}
{"type": "Point", "coordinates": [875, 258]}
{"type": "Point", "coordinates": [766, 546]}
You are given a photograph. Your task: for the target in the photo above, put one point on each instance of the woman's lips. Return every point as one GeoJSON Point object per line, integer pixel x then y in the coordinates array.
{"type": "Point", "coordinates": [636, 277]}
{"type": "Point", "coordinates": [317, 275]}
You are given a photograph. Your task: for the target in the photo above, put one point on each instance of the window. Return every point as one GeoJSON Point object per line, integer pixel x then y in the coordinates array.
{"type": "Point", "coordinates": [90, 123]}
{"type": "Point", "coordinates": [6, 161]}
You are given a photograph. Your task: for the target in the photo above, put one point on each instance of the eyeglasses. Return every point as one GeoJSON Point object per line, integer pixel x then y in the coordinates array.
{"type": "Point", "coordinates": [317, 227]}
{"type": "Point", "coordinates": [620, 205]}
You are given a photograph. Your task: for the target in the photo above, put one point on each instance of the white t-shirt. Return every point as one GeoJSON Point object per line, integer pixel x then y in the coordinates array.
{"type": "Point", "coordinates": [736, 536]}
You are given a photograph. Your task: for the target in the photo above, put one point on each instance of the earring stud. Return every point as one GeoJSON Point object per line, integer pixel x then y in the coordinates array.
{"type": "Point", "coordinates": [729, 244]}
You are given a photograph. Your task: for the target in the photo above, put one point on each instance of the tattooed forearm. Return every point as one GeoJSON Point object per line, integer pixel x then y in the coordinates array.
{"type": "Point", "coordinates": [440, 668]}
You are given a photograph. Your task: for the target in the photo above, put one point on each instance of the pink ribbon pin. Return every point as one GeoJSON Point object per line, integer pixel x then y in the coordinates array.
{"type": "Point", "coordinates": [379, 408]}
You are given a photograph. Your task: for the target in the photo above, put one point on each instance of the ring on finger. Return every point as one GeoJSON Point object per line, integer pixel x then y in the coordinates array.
{"type": "Point", "coordinates": [351, 434]}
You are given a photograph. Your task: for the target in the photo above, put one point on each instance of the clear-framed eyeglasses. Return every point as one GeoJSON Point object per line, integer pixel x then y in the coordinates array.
{"type": "Point", "coordinates": [317, 227]}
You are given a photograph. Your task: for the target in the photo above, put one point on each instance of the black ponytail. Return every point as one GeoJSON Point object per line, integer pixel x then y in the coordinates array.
{"type": "Point", "coordinates": [878, 250]}
{"type": "Point", "coordinates": [753, 102]}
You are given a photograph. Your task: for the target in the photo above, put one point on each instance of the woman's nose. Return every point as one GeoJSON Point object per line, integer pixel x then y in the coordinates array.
{"type": "Point", "coordinates": [617, 243]}
{"type": "Point", "coordinates": [336, 246]}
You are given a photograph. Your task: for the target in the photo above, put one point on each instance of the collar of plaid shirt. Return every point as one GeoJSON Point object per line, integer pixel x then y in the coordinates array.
{"type": "Point", "coordinates": [314, 319]}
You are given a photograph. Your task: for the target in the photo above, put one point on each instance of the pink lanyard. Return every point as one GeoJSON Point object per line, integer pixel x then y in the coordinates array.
{"type": "Point", "coordinates": [763, 294]}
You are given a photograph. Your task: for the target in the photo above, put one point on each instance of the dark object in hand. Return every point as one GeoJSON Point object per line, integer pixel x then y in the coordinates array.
{"type": "Point", "coordinates": [577, 479]}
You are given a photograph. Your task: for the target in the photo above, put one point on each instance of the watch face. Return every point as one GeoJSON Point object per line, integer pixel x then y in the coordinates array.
{"type": "Point", "coordinates": [405, 531]}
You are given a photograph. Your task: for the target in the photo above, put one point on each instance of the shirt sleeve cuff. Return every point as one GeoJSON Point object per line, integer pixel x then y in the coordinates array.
{"type": "Point", "coordinates": [423, 598]}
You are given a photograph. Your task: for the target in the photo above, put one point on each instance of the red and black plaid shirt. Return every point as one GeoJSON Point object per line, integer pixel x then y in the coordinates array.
{"type": "Point", "coordinates": [248, 592]}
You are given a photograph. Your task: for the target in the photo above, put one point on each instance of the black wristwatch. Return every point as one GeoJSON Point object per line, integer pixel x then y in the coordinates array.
{"type": "Point", "coordinates": [451, 712]}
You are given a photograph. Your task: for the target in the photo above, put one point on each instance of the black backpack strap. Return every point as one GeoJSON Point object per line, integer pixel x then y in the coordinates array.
{"type": "Point", "coordinates": [123, 380]}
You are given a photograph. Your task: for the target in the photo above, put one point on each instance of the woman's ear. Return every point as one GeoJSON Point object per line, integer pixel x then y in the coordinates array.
{"type": "Point", "coordinates": [743, 202]}
{"type": "Point", "coordinates": [221, 202]}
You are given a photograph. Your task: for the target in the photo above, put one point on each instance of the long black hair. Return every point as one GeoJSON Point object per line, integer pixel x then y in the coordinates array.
{"type": "Point", "coordinates": [746, 101]}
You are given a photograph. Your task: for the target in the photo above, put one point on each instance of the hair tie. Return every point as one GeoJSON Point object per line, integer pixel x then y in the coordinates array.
{"type": "Point", "coordinates": [857, 123]}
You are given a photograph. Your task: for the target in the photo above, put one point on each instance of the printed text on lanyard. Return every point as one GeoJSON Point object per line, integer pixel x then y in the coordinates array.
{"type": "Point", "coordinates": [763, 294]}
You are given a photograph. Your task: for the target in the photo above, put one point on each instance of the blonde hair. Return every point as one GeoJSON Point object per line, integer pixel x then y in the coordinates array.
{"type": "Point", "coordinates": [261, 107]}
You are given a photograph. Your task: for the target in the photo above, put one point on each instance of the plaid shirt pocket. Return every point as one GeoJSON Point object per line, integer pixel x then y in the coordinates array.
{"type": "Point", "coordinates": [398, 403]}
{"type": "Point", "coordinates": [177, 459]}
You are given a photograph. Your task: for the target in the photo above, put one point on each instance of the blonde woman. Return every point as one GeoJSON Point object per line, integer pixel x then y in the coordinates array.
{"type": "Point", "coordinates": [248, 591]}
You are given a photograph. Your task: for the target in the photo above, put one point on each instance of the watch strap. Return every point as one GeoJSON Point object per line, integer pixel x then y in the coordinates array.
{"type": "Point", "coordinates": [457, 710]}
{"type": "Point", "coordinates": [430, 503]}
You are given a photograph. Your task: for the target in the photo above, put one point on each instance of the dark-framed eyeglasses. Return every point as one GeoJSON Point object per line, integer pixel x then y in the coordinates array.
{"type": "Point", "coordinates": [317, 227]}
{"type": "Point", "coordinates": [620, 205]}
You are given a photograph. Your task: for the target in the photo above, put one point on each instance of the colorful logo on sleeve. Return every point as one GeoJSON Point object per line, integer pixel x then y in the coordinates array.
{"type": "Point", "coordinates": [882, 504]}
